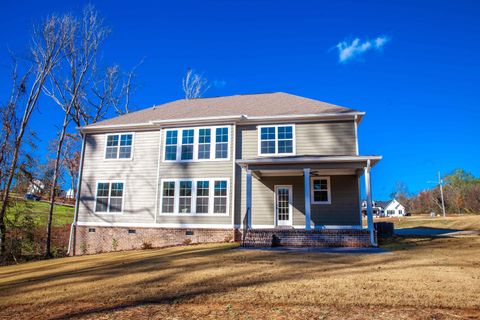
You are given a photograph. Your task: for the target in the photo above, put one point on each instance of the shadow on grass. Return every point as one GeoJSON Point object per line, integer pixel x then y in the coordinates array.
{"type": "Point", "coordinates": [175, 275]}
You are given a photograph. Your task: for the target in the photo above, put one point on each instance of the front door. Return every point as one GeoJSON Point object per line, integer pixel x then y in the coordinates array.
{"type": "Point", "coordinates": [283, 205]}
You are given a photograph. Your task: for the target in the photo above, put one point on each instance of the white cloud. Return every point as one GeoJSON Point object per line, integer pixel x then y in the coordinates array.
{"type": "Point", "coordinates": [348, 51]}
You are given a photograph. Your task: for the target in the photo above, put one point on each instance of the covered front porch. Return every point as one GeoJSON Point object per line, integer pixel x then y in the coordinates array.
{"type": "Point", "coordinates": [314, 196]}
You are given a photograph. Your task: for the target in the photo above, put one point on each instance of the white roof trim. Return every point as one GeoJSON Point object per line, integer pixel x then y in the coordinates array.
{"type": "Point", "coordinates": [235, 118]}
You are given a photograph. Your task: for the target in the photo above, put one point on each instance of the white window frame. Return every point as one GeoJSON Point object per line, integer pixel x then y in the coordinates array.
{"type": "Point", "coordinates": [119, 134]}
{"type": "Point", "coordinates": [259, 137]}
{"type": "Point", "coordinates": [211, 186]}
{"type": "Point", "coordinates": [108, 202]}
{"type": "Point", "coordinates": [329, 190]}
{"type": "Point", "coordinates": [213, 143]}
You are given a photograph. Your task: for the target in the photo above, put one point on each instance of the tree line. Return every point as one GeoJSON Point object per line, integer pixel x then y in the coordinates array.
{"type": "Point", "coordinates": [461, 192]}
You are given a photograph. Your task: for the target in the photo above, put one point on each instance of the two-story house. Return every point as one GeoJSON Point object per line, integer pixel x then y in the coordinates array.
{"type": "Point", "coordinates": [219, 169]}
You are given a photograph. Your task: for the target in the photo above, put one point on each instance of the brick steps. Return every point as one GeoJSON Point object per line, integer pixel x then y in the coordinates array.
{"type": "Point", "coordinates": [259, 238]}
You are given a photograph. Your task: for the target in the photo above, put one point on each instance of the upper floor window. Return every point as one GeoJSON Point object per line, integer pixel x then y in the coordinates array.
{"type": "Point", "coordinates": [193, 144]}
{"type": "Point", "coordinates": [109, 197]}
{"type": "Point", "coordinates": [276, 140]}
{"type": "Point", "coordinates": [119, 146]}
{"type": "Point", "coordinates": [321, 190]}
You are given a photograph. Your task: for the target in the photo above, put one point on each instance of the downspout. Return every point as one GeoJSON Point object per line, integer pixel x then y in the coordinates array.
{"type": "Point", "coordinates": [71, 240]}
{"type": "Point", "coordinates": [233, 186]}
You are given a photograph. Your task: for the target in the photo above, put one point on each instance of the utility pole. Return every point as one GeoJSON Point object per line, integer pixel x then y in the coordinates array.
{"type": "Point", "coordinates": [440, 183]}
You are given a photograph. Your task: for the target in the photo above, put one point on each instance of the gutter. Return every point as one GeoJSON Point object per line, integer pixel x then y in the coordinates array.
{"type": "Point", "coordinates": [244, 119]}
{"type": "Point", "coordinates": [71, 239]}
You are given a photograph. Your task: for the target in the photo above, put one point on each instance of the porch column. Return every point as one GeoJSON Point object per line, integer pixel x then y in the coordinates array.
{"type": "Point", "coordinates": [249, 198]}
{"type": "Point", "coordinates": [368, 193]}
{"type": "Point", "coordinates": [306, 179]}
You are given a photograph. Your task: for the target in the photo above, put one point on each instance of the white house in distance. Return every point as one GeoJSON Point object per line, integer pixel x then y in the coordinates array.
{"type": "Point", "coordinates": [394, 209]}
{"type": "Point", "coordinates": [70, 194]}
{"type": "Point", "coordinates": [36, 187]}
{"type": "Point", "coordinates": [391, 208]}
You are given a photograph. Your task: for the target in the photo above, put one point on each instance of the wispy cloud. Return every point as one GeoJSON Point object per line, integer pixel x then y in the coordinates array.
{"type": "Point", "coordinates": [219, 83]}
{"type": "Point", "coordinates": [348, 51]}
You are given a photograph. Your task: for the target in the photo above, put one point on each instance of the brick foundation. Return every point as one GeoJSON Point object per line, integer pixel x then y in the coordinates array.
{"type": "Point", "coordinates": [90, 240]}
{"type": "Point", "coordinates": [304, 238]}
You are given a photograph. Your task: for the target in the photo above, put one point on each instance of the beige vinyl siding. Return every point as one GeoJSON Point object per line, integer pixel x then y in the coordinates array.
{"type": "Point", "coordinates": [139, 175]}
{"type": "Point", "coordinates": [197, 169]}
{"type": "Point", "coordinates": [312, 138]}
{"type": "Point", "coordinates": [326, 138]}
{"type": "Point", "coordinates": [343, 210]}
{"type": "Point", "coordinates": [345, 204]}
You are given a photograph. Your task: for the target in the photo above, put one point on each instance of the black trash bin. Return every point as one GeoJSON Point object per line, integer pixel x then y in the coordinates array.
{"type": "Point", "coordinates": [384, 229]}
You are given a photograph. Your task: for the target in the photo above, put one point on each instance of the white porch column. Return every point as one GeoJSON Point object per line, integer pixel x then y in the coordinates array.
{"type": "Point", "coordinates": [249, 198]}
{"type": "Point", "coordinates": [368, 192]}
{"type": "Point", "coordinates": [306, 177]}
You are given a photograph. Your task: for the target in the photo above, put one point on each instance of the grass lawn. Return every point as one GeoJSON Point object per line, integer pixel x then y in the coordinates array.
{"type": "Point", "coordinates": [422, 278]}
{"type": "Point", "coordinates": [457, 222]}
{"type": "Point", "coordinates": [39, 211]}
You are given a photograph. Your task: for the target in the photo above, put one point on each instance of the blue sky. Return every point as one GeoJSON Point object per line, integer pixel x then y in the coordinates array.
{"type": "Point", "coordinates": [414, 69]}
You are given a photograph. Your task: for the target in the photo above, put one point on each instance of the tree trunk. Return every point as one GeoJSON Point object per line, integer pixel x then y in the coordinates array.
{"type": "Point", "coordinates": [48, 251]}
{"type": "Point", "coordinates": [6, 192]}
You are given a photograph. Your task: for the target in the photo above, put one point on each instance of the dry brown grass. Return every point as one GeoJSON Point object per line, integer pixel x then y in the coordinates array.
{"type": "Point", "coordinates": [456, 222]}
{"type": "Point", "coordinates": [431, 278]}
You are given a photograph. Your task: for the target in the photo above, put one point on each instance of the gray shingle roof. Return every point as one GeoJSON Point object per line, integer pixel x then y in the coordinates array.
{"type": "Point", "coordinates": [251, 105]}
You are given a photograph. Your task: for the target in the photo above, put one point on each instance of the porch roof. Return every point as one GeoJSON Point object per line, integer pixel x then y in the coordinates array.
{"type": "Point", "coordinates": [294, 165]}
{"type": "Point", "coordinates": [356, 161]}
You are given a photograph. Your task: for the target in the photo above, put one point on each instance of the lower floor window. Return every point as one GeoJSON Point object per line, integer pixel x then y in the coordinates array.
{"type": "Point", "coordinates": [109, 197]}
{"type": "Point", "coordinates": [194, 196]}
{"type": "Point", "coordinates": [320, 190]}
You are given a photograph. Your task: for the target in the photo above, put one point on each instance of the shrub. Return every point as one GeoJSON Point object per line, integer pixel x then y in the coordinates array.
{"type": "Point", "coordinates": [228, 238]}
{"type": "Point", "coordinates": [146, 245]}
{"type": "Point", "coordinates": [84, 248]}
{"type": "Point", "coordinates": [114, 244]}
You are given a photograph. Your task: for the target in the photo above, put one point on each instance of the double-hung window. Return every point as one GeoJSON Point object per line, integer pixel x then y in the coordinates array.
{"type": "Point", "coordinates": [321, 190]}
{"type": "Point", "coordinates": [109, 197]}
{"type": "Point", "coordinates": [221, 143]}
{"type": "Point", "coordinates": [171, 145]}
{"type": "Point", "coordinates": [187, 144]}
{"type": "Point", "coordinates": [197, 144]}
{"type": "Point", "coordinates": [185, 197]}
{"type": "Point", "coordinates": [204, 143]}
{"type": "Point", "coordinates": [119, 146]}
{"type": "Point", "coordinates": [203, 196]}
{"type": "Point", "coordinates": [276, 140]}
{"type": "Point", "coordinates": [220, 197]}
{"type": "Point", "coordinates": [168, 196]}
{"type": "Point", "coordinates": [194, 196]}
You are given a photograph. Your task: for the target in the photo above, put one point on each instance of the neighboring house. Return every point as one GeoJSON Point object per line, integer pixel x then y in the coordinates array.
{"type": "Point", "coordinates": [70, 194]}
{"type": "Point", "coordinates": [36, 187]}
{"type": "Point", "coordinates": [244, 167]}
{"type": "Point", "coordinates": [378, 208]}
{"type": "Point", "coordinates": [394, 209]}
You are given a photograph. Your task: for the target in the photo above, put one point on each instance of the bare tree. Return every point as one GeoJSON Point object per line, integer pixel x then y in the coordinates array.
{"type": "Point", "coordinates": [68, 83]}
{"type": "Point", "coordinates": [83, 93]}
{"type": "Point", "coordinates": [48, 42]}
{"type": "Point", "coordinates": [71, 159]}
{"type": "Point", "coordinates": [194, 85]}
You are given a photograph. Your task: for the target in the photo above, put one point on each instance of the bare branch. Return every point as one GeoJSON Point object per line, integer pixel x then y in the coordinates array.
{"type": "Point", "coordinates": [194, 85]}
